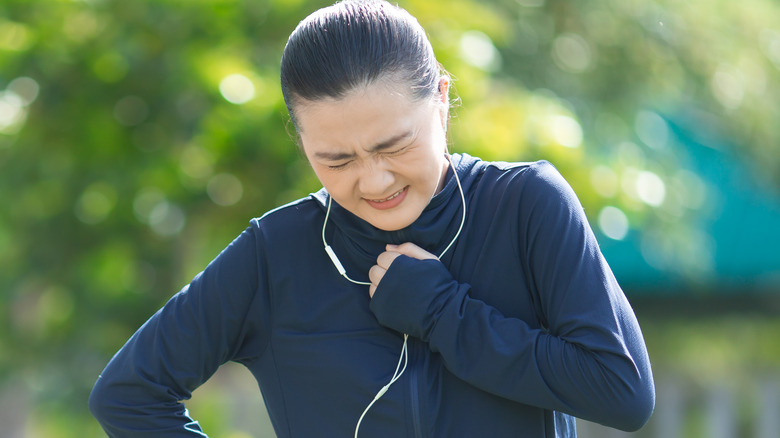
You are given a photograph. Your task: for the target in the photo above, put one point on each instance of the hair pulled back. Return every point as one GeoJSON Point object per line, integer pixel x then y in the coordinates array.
{"type": "Point", "coordinates": [354, 43]}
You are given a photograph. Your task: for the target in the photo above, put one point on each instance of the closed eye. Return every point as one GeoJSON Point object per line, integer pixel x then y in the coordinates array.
{"type": "Point", "coordinates": [338, 166]}
{"type": "Point", "coordinates": [395, 152]}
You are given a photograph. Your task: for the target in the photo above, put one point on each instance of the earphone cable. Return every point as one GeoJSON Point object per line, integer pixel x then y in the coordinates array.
{"type": "Point", "coordinates": [404, 358]}
{"type": "Point", "coordinates": [396, 375]}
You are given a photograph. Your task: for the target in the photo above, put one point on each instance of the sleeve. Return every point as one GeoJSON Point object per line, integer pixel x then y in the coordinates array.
{"type": "Point", "coordinates": [203, 326]}
{"type": "Point", "coordinates": [590, 361]}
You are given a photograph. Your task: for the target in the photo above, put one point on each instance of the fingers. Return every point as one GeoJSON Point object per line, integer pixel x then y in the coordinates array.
{"type": "Point", "coordinates": [383, 262]}
{"type": "Point", "coordinates": [375, 275]}
{"type": "Point", "coordinates": [408, 249]}
{"type": "Point", "coordinates": [411, 250]}
{"type": "Point", "coordinates": [386, 259]}
{"type": "Point", "coordinates": [377, 272]}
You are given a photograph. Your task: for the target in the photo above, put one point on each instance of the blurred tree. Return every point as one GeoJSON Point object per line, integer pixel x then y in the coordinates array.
{"type": "Point", "coordinates": [602, 90]}
{"type": "Point", "coordinates": [137, 138]}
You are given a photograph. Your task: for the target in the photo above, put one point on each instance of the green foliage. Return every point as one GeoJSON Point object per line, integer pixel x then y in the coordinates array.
{"type": "Point", "coordinates": [137, 138]}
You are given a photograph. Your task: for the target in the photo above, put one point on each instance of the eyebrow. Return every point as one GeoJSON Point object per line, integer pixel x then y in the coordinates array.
{"type": "Point", "coordinates": [387, 144]}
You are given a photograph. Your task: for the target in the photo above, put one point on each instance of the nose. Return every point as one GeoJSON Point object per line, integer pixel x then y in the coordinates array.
{"type": "Point", "coordinates": [376, 179]}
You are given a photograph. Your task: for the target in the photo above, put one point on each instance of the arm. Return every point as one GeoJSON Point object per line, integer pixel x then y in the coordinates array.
{"type": "Point", "coordinates": [590, 362]}
{"type": "Point", "coordinates": [180, 347]}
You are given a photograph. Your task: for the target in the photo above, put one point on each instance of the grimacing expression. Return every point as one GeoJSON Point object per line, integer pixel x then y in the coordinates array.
{"type": "Point", "coordinates": [379, 153]}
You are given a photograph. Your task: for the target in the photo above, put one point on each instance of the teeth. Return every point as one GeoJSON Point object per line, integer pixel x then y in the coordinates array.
{"type": "Point", "coordinates": [387, 199]}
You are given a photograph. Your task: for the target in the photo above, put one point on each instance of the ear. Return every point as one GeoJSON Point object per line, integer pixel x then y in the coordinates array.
{"type": "Point", "coordinates": [444, 100]}
{"type": "Point", "coordinates": [444, 90]}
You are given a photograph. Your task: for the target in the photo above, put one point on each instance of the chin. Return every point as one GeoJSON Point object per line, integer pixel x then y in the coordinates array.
{"type": "Point", "coordinates": [390, 224]}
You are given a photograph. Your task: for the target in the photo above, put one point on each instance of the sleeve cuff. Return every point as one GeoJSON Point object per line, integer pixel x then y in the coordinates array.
{"type": "Point", "coordinates": [412, 294]}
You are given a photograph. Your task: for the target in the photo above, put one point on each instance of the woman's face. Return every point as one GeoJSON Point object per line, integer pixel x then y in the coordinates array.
{"type": "Point", "coordinates": [380, 154]}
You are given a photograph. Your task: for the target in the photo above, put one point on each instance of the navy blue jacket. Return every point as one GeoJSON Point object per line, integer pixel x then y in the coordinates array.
{"type": "Point", "coordinates": [519, 328]}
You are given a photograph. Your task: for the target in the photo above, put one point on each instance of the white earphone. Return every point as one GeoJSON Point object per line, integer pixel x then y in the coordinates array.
{"type": "Point", "coordinates": [337, 263]}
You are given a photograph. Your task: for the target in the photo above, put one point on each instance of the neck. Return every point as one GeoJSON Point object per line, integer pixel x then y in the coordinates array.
{"type": "Point", "coordinates": [444, 166]}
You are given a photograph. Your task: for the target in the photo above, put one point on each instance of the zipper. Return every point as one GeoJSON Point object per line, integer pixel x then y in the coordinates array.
{"type": "Point", "coordinates": [414, 392]}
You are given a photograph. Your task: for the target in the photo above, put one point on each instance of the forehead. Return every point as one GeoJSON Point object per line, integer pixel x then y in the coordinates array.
{"type": "Point", "coordinates": [382, 93]}
{"type": "Point", "coordinates": [360, 118]}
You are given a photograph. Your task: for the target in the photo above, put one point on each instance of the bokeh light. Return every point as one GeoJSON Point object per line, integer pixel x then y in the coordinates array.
{"type": "Point", "coordinates": [566, 131]}
{"type": "Point", "coordinates": [237, 88]}
{"type": "Point", "coordinates": [650, 188]}
{"type": "Point", "coordinates": [12, 113]}
{"type": "Point", "coordinates": [145, 201]}
{"type": "Point", "coordinates": [652, 129]}
{"type": "Point", "coordinates": [15, 36]}
{"type": "Point", "coordinates": [728, 86]}
{"type": "Point", "coordinates": [225, 189]}
{"type": "Point", "coordinates": [95, 203]}
{"type": "Point", "coordinates": [613, 223]}
{"type": "Point", "coordinates": [167, 219]}
{"type": "Point", "coordinates": [477, 49]}
{"type": "Point", "coordinates": [26, 88]}
{"type": "Point", "coordinates": [572, 53]}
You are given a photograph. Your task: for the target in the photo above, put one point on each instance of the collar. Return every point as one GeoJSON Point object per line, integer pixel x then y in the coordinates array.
{"type": "Point", "coordinates": [358, 243]}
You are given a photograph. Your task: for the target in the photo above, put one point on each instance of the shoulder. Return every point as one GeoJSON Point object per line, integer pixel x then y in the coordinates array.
{"type": "Point", "coordinates": [528, 170]}
{"type": "Point", "coordinates": [289, 218]}
{"type": "Point", "coordinates": [531, 179]}
{"type": "Point", "coordinates": [532, 190]}
{"type": "Point", "coordinates": [291, 209]}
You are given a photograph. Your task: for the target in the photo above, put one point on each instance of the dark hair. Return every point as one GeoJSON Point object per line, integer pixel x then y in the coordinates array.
{"type": "Point", "coordinates": [355, 43]}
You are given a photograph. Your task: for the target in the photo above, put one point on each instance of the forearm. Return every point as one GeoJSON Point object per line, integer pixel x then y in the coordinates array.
{"type": "Point", "coordinates": [594, 376]}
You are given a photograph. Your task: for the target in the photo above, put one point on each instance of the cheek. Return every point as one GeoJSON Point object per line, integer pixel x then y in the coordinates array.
{"type": "Point", "coordinates": [321, 175]}
{"type": "Point", "coordinates": [338, 184]}
{"type": "Point", "coordinates": [326, 178]}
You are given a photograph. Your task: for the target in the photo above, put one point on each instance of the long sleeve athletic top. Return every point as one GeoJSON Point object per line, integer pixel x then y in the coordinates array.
{"type": "Point", "coordinates": [518, 329]}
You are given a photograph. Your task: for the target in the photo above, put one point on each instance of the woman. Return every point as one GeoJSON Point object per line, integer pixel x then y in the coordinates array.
{"type": "Point", "coordinates": [417, 294]}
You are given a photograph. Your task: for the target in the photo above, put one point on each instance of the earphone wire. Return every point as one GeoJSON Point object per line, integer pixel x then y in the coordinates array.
{"type": "Point", "coordinates": [332, 254]}
{"type": "Point", "coordinates": [404, 358]}
{"type": "Point", "coordinates": [396, 375]}
{"type": "Point", "coordinates": [463, 199]}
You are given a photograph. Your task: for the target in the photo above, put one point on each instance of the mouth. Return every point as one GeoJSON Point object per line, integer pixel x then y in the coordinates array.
{"type": "Point", "coordinates": [389, 202]}
{"type": "Point", "coordinates": [389, 198]}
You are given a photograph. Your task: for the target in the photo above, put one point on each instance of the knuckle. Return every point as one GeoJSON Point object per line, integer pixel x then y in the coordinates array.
{"type": "Point", "coordinates": [407, 246]}
{"type": "Point", "coordinates": [385, 259]}
{"type": "Point", "coordinates": [375, 273]}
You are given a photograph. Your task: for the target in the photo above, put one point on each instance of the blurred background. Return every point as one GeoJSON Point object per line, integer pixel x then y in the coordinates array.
{"type": "Point", "coordinates": [137, 138]}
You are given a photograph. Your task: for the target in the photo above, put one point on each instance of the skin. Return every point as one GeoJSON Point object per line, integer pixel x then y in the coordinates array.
{"type": "Point", "coordinates": [381, 155]}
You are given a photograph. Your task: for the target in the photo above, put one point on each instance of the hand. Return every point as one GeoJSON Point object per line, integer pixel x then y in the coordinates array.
{"type": "Point", "coordinates": [383, 262]}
